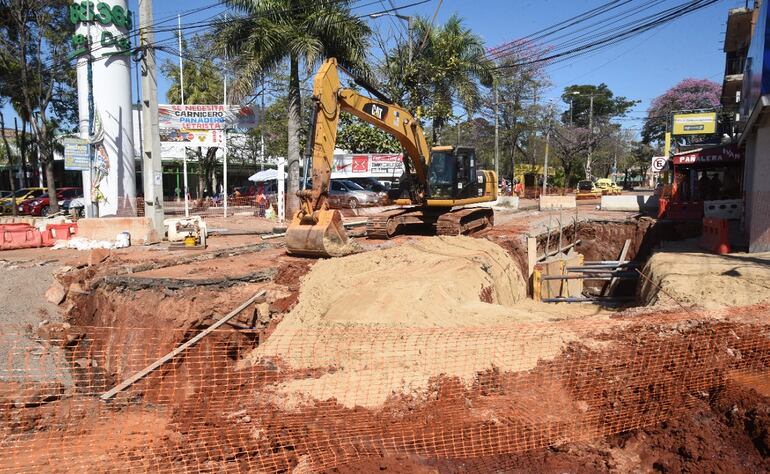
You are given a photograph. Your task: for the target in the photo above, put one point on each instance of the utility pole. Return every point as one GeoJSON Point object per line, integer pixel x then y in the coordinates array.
{"type": "Point", "coordinates": [534, 143]}
{"type": "Point", "coordinates": [497, 131]}
{"type": "Point", "coordinates": [591, 135]}
{"type": "Point", "coordinates": [262, 129]}
{"type": "Point", "coordinates": [615, 161]}
{"type": "Point", "coordinates": [152, 170]}
{"type": "Point", "coordinates": [181, 65]}
{"type": "Point", "coordinates": [545, 164]}
{"type": "Point", "coordinates": [458, 132]}
{"type": "Point", "coordinates": [409, 34]}
{"type": "Point", "coordinates": [224, 149]}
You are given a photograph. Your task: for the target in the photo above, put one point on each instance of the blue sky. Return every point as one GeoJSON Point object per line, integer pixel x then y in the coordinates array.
{"type": "Point", "coordinates": [640, 68]}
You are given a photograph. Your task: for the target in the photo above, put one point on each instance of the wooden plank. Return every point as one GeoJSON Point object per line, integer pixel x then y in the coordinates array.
{"type": "Point", "coordinates": [557, 251]}
{"type": "Point", "coordinates": [142, 373]}
{"type": "Point", "coordinates": [614, 281]}
{"type": "Point", "coordinates": [531, 255]}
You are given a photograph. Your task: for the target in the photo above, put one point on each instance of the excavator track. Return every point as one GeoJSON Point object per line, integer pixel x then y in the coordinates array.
{"type": "Point", "coordinates": [387, 224]}
{"type": "Point", "coordinates": [465, 221]}
{"type": "Point", "coordinates": [456, 222]}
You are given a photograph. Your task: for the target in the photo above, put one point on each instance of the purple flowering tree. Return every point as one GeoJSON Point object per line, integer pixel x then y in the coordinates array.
{"type": "Point", "coordinates": [690, 94]}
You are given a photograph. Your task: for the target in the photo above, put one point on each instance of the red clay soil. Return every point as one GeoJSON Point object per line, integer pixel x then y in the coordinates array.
{"type": "Point", "coordinates": [506, 420]}
{"type": "Point", "coordinates": [681, 389]}
{"type": "Point", "coordinates": [113, 317]}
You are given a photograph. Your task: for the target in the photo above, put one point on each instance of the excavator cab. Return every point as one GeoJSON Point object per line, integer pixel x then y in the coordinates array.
{"type": "Point", "coordinates": [452, 173]}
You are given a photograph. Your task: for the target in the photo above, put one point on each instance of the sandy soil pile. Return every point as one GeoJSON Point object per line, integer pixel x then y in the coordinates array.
{"type": "Point", "coordinates": [385, 322]}
{"type": "Point", "coordinates": [706, 280]}
{"type": "Point", "coordinates": [422, 284]}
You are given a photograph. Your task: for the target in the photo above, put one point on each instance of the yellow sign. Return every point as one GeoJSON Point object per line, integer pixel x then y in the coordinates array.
{"type": "Point", "coordinates": [695, 124]}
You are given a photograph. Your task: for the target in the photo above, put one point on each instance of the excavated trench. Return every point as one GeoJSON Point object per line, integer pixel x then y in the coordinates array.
{"type": "Point", "coordinates": [604, 241]}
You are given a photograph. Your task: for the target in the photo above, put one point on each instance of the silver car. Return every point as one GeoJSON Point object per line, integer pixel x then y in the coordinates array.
{"type": "Point", "coordinates": [346, 193]}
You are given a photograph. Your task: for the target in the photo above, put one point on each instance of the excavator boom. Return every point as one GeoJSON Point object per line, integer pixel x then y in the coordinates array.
{"type": "Point", "coordinates": [315, 229]}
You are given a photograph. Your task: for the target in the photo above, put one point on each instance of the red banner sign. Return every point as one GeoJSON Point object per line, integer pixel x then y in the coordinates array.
{"type": "Point", "coordinates": [360, 164]}
{"type": "Point", "coordinates": [717, 154]}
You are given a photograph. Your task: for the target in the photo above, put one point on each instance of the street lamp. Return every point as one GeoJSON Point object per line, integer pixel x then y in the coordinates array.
{"type": "Point", "coordinates": [571, 99]}
{"type": "Point", "coordinates": [407, 19]}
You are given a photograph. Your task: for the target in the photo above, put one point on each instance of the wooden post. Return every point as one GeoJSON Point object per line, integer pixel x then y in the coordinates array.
{"type": "Point", "coordinates": [531, 255]}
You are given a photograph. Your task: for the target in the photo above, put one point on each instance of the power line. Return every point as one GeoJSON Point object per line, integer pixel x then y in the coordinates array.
{"type": "Point", "coordinates": [617, 34]}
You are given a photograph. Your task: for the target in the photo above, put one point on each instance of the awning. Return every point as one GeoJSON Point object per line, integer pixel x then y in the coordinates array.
{"type": "Point", "coordinates": [266, 175]}
{"type": "Point", "coordinates": [715, 154]}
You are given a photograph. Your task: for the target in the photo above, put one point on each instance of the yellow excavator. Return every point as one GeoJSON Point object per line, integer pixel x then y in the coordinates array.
{"type": "Point", "coordinates": [434, 192]}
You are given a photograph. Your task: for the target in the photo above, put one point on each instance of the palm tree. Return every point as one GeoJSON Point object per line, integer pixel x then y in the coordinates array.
{"type": "Point", "coordinates": [304, 32]}
{"type": "Point", "coordinates": [448, 66]}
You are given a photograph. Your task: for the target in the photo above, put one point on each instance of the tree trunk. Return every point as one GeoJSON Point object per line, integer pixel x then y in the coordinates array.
{"type": "Point", "coordinates": [21, 142]}
{"type": "Point", "coordinates": [45, 152]}
{"type": "Point", "coordinates": [10, 163]}
{"type": "Point", "coordinates": [201, 174]}
{"type": "Point", "coordinates": [53, 202]}
{"type": "Point", "coordinates": [293, 152]}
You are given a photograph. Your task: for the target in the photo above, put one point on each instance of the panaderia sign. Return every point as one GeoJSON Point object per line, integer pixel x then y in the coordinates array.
{"type": "Point", "coordinates": [206, 117]}
{"type": "Point", "coordinates": [717, 154]}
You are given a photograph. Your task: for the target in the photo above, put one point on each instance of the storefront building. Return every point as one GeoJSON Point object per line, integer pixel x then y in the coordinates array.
{"type": "Point", "coordinates": [707, 182]}
{"type": "Point", "coordinates": [755, 133]}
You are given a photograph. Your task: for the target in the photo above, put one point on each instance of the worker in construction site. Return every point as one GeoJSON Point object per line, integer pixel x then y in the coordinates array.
{"type": "Point", "coordinates": [518, 189]}
{"type": "Point", "coordinates": [262, 201]}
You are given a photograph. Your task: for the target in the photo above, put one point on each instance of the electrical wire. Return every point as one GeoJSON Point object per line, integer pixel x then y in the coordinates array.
{"type": "Point", "coordinates": [592, 36]}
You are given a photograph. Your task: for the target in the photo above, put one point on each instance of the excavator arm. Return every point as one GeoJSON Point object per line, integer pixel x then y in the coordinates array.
{"type": "Point", "coordinates": [316, 230]}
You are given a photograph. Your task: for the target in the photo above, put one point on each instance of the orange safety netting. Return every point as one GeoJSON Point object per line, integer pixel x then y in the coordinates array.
{"type": "Point", "coordinates": [329, 397]}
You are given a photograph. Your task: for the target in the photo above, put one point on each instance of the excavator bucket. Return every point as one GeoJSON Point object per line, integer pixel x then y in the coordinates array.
{"type": "Point", "coordinates": [318, 235]}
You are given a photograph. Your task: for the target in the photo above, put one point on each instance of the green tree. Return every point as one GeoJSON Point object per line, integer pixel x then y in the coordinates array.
{"type": "Point", "coordinates": [688, 95]}
{"type": "Point", "coordinates": [448, 66]}
{"type": "Point", "coordinates": [35, 72]}
{"type": "Point", "coordinates": [570, 146]}
{"type": "Point", "coordinates": [358, 136]}
{"type": "Point", "coordinates": [520, 113]}
{"type": "Point", "coordinates": [7, 153]}
{"type": "Point", "coordinates": [203, 84]}
{"type": "Point", "coordinates": [269, 32]}
{"type": "Point", "coordinates": [605, 105]}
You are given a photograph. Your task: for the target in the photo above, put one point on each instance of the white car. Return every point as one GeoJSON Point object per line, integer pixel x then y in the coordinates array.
{"type": "Point", "coordinates": [77, 203]}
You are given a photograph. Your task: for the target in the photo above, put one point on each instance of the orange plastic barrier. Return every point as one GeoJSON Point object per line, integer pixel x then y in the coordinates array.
{"type": "Point", "coordinates": [19, 236]}
{"type": "Point", "coordinates": [63, 231]}
{"type": "Point", "coordinates": [715, 237]}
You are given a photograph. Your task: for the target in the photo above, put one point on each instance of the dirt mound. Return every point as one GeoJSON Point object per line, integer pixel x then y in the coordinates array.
{"type": "Point", "coordinates": [706, 280]}
{"type": "Point", "coordinates": [431, 284]}
{"type": "Point", "coordinates": [425, 284]}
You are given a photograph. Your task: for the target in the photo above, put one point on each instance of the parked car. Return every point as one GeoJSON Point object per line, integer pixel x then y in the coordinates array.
{"type": "Point", "coordinates": [7, 203]}
{"type": "Point", "coordinates": [607, 186]}
{"type": "Point", "coordinates": [346, 193]}
{"type": "Point", "coordinates": [77, 204]}
{"type": "Point", "coordinates": [41, 206]}
{"type": "Point", "coordinates": [586, 190]}
{"type": "Point", "coordinates": [370, 184]}
{"type": "Point", "coordinates": [5, 194]}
